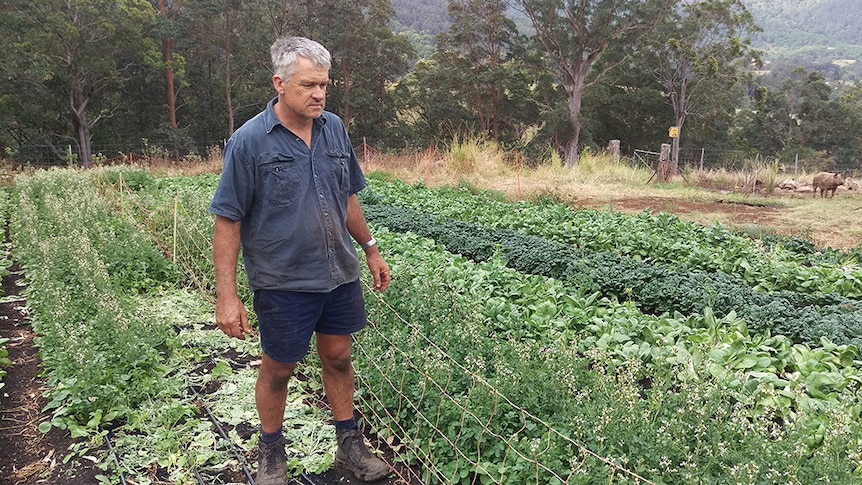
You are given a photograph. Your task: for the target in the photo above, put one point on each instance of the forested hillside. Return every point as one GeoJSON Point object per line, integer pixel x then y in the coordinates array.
{"type": "Point", "coordinates": [428, 16]}
{"type": "Point", "coordinates": [808, 32]}
{"type": "Point", "coordinates": [795, 24]}
{"type": "Point", "coordinates": [81, 83]}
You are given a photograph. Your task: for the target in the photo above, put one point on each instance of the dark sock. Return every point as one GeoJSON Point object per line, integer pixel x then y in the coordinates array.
{"type": "Point", "coordinates": [270, 438]}
{"type": "Point", "coordinates": [345, 425]}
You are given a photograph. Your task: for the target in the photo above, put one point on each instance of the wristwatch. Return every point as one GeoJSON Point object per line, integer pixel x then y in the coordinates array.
{"type": "Point", "coordinates": [367, 246]}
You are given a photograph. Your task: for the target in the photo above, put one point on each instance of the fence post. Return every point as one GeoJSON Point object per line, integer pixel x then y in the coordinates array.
{"type": "Point", "coordinates": [174, 253]}
{"type": "Point", "coordinates": [427, 165]}
{"type": "Point", "coordinates": [518, 173]}
{"type": "Point", "coordinates": [614, 150]}
{"type": "Point", "coordinates": [665, 170]}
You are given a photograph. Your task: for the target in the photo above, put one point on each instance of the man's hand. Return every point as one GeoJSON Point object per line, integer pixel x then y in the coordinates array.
{"type": "Point", "coordinates": [379, 270]}
{"type": "Point", "coordinates": [232, 318]}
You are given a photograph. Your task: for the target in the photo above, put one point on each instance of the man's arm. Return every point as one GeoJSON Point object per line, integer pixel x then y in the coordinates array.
{"type": "Point", "coordinates": [231, 316]}
{"type": "Point", "coordinates": [358, 229]}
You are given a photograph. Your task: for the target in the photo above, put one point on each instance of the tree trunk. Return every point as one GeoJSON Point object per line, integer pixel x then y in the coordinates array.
{"type": "Point", "coordinates": [228, 27]}
{"type": "Point", "coordinates": [78, 105]}
{"type": "Point", "coordinates": [575, 93]}
{"type": "Point", "coordinates": [664, 171]}
{"type": "Point", "coordinates": [493, 56]}
{"type": "Point", "coordinates": [680, 106]}
{"type": "Point", "coordinates": [346, 79]}
{"type": "Point", "coordinates": [169, 72]}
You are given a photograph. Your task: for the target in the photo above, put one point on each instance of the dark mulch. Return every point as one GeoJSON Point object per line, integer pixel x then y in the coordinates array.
{"type": "Point", "coordinates": [28, 456]}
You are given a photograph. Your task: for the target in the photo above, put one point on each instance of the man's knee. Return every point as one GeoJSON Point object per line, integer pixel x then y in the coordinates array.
{"type": "Point", "coordinates": [341, 364]}
{"type": "Point", "coordinates": [334, 352]}
{"type": "Point", "coordinates": [275, 374]}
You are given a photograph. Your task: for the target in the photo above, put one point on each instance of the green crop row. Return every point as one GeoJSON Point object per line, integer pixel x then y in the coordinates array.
{"type": "Point", "coordinates": [483, 361]}
{"type": "Point", "coordinates": [660, 238]}
{"type": "Point", "coordinates": [122, 341]}
{"type": "Point", "coordinates": [84, 267]}
{"type": "Point", "coordinates": [653, 288]}
{"type": "Point", "coordinates": [4, 271]}
{"type": "Point", "coordinates": [674, 397]}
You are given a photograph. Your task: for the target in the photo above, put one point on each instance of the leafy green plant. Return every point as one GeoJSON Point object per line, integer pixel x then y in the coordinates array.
{"type": "Point", "coordinates": [656, 238]}
{"type": "Point", "coordinates": [532, 362]}
{"type": "Point", "coordinates": [4, 359]}
{"type": "Point", "coordinates": [655, 288]}
{"type": "Point", "coordinates": [674, 398]}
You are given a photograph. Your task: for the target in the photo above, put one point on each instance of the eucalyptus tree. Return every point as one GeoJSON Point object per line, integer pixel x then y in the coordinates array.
{"type": "Point", "coordinates": [475, 49]}
{"type": "Point", "coordinates": [627, 105]}
{"type": "Point", "coordinates": [172, 63]}
{"type": "Point", "coordinates": [367, 59]}
{"type": "Point", "coordinates": [574, 34]}
{"type": "Point", "coordinates": [226, 44]}
{"type": "Point", "coordinates": [700, 53]}
{"type": "Point", "coordinates": [807, 117]}
{"type": "Point", "coordinates": [84, 52]}
{"type": "Point", "coordinates": [430, 105]}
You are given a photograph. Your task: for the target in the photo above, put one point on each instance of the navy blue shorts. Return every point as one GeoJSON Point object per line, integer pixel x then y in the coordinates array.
{"type": "Point", "coordinates": [286, 319]}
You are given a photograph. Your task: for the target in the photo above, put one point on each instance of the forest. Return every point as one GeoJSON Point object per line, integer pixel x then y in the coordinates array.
{"type": "Point", "coordinates": [91, 81]}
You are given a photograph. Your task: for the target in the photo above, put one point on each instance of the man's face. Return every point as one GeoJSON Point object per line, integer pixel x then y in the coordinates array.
{"type": "Point", "coordinates": [304, 94]}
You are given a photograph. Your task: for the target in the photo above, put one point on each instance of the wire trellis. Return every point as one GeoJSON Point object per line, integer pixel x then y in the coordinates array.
{"type": "Point", "coordinates": [417, 380]}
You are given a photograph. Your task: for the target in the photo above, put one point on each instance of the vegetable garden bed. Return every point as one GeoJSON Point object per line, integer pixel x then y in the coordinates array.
{"type": "Point", "coordinates": [512, 347]}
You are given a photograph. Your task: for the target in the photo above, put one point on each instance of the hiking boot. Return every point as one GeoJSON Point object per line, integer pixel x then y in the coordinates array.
{"type": "Point", "coordinates": [353, 455]}
{"type": "Point", "coordinates": [271, 464]}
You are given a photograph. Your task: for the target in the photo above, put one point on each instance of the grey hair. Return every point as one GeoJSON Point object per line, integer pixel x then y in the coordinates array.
{"type": "Point", "coordinates": [285, 52]}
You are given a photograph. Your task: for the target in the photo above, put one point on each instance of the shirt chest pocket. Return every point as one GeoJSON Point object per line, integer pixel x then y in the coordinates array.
{"type": "Point", "coordinates": [280, 179]}
{"type": "Point", "coordinates": [338, 168]}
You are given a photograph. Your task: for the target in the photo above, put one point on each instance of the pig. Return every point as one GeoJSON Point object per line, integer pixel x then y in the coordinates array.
{"type": "Point", "coordinates": [827, 181]}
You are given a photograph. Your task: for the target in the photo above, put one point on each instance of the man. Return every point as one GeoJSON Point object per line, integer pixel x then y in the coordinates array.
{"type": "Point", "coordinates": [287, 196]}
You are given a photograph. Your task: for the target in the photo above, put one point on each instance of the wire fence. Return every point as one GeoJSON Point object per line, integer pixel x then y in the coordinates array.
{"type": "Point", "coordinates": [690, 158]}
{"type": "Point", "coordinates": [108, 154]}
{"type": "Point", "coordinates": [699, 159]}
{"type": "Point", "coordinates": [413, 377]}
{"type": "Point", "coordinates": [476, 407]}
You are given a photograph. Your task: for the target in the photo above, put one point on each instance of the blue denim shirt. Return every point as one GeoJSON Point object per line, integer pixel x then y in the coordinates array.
{"type": "Point", "coordinates": [291, 202]}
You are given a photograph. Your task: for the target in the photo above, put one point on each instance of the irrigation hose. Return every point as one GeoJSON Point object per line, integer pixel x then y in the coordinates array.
{"type": "Point", "coordinates": [224, 436]}
{"type": "Point", "coordinates": [198, 477]}
{"type": "Point", "coordinates": [114, 458]}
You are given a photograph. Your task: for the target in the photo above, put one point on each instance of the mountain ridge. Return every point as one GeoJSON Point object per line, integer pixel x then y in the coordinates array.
{"type": "Point", "coordinates": [830, 28]}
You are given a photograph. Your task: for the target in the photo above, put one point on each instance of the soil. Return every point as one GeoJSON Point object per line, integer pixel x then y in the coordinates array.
{"type": "Point", "coordinates": [787, 214]}
{"type": "Point", "coordinates": [740, 214]}
{"type": "Point", "coordinates": [28, 456]}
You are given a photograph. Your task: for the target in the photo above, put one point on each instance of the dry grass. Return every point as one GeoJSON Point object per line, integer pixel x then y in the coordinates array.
{"type": "Point", "coordinates": [597, 182]}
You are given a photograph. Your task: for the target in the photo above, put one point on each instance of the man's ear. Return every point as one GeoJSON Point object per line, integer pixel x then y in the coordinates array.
{"type": "Point", "coordinates": [278, 84]}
